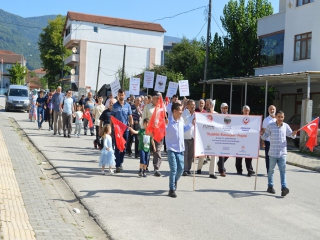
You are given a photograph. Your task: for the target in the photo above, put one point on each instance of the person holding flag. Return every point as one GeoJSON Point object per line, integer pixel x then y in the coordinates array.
{"type": "Point", "coordinates": [278, 131]}
{"type": "Point", "coordinates": [121, 117]}
{"type": "Point", "coordinates": [312, 131]}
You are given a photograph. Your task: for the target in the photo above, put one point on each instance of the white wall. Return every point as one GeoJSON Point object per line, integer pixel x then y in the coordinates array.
{"type": "Point", "coordinates": [271, 24]}
{"type": "Point", "coordinates": [269, 70]}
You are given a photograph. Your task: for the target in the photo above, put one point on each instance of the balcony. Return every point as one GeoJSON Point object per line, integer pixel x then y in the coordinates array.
{"type": "Point", "coordinates": [69, 43]}
{"type": "Point", "coordinates": [271, 24]}
{"type": "Point", "coordinates": [72, 59]}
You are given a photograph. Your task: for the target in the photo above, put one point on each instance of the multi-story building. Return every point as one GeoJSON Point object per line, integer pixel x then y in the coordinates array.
{"type": "Point", "coordinates": [86, 34]}
{"type": "Point", "coordinates": [289, 46]}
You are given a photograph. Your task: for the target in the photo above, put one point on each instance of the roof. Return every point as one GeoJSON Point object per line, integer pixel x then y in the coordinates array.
{"type": "Point", "coordinates": [10, 58]}
{"type": "Point", "coordinates": [115, 22]}
{"type": "Point", "coordinates": [274, 79]}
{"type": "Point", "coordinates": [40, 71]}
{"type": "Point", "coordinates": [6, 52]}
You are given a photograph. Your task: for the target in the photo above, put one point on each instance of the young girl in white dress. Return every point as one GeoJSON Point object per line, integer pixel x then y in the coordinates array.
{"type": "Point", "coordinates": [107, 155]}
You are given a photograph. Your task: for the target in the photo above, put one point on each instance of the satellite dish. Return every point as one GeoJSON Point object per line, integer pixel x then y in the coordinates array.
{"type": "Point", "coordinates": [73, 71]}
{"type": "Point", "coordinates": [74, 50]}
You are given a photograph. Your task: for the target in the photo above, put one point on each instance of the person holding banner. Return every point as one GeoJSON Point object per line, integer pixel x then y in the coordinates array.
{"type": "Point", "coordinates": [245, 111]}
{"type": "Point", "coordinates": [122, 112]}
{"type": "Point", "coordinates": [175, 146]}
{"type": "Point", "coordinates": [278, 131]}
{"type": "Point", "coordinates": [266, 143]}
{"type": "Point", "coordinates": [188, 118]}
{"type": "Point", "coordinates": [224, 110]}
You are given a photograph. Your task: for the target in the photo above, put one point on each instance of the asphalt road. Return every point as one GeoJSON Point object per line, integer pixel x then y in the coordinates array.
{"type": "Point", "coordinates": [129, 207]}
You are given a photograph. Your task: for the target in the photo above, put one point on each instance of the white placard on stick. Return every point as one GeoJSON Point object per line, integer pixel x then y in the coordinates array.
{"type": "Point", "coordinates": [115, 86]}
{"type": "Point", "coordinates": [172, 89]}
{"type": "Point", "coordinates": [127, 93]}
{"type": "Point", "coordinates": [134, 87]}
{"type": "Point", "coordinates": [184, 88]}
{"type": "Point", "coordinates": [148, 79]}
{"type": "Point", "coordinates": [160, 83]}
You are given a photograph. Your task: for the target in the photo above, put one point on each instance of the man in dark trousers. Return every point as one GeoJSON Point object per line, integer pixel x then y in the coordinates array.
{"type": "Point", "coordinates": [224, 110]}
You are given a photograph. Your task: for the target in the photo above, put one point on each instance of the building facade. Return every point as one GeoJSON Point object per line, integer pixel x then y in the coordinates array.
{"type": "Point", "coordinates": [86, 34]}
{"type": "Point", "coordinates": [288, 44]}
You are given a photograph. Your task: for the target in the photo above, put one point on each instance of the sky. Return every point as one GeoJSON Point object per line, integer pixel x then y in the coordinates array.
{"type": "Point", "coordinates": [191, 24]}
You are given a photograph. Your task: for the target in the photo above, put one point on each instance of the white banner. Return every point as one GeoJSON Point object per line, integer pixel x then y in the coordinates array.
{"type": "Point", "coordinates": [115, 86]}
{"type": "Point", "coordinates": [172, 89]}
{"type": "Point", "coordinates": [148, 79]}
{"type": "Point", "coordinates": [184, 88]}
{"type": "Point", "coordinates": [160, 83]}
{"type": "Point", "coordinates": [227, 135]}
{"type": "Point", "coordinates": [134, 87]}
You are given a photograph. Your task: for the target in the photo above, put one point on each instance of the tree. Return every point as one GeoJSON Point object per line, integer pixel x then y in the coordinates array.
{"type": "Point", "coordinates": [17, 74]}
{"type": "Point", "coordinates": [52, 51]}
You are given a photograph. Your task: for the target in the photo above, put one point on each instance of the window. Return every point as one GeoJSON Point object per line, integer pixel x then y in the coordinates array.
{"type": "Point", "coordinates": [95, 29]}
{"type": "Point", "coordinates": [68, 30]}
{"type": "Point", "coordinates": [271, 50]}
{"type": "Point", "coordinates": [302, 2]}
{"type": "Point", "coordinates": [302, 46]}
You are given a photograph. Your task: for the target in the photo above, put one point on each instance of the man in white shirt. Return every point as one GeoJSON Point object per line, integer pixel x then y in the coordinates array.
{"type": "Point", "coordinates": [224, 110]}
{"type": "Point", "coordinates": [188, 116]}
{"type": "Point", "coordinates": [266, 143]}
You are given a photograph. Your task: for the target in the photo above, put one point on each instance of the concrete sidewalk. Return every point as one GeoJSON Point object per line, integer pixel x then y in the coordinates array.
{"type": "Point", "coordinates": [129, 207]}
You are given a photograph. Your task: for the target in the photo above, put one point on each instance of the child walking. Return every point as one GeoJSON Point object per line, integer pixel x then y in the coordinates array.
{"type": "Point", "coordinates": [107, 155]}
{"type": "Point", "coordinates": [144, 147]}
{"type": "Point", "coordinates": [79, 117]}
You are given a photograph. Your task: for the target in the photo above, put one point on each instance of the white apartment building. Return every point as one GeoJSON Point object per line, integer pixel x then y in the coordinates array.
{"type": "Point", "coordinates": [86, 34]}
{"type": "Point", "coordinates": [288, 46]}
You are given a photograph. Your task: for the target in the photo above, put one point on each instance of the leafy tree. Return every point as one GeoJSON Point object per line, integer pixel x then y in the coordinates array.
{"type": "Point", "coordinates": [17, 74]}
{"type": "Point", "coordinates": [43, 82]}
{"type": "Point", "coordinates": [52, 51]}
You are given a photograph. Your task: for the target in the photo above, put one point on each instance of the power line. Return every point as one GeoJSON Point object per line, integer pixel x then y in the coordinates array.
{"type": "Point", "coordinates": [201, 29]}
{"type": "Point", "coordinates": [218, 25]}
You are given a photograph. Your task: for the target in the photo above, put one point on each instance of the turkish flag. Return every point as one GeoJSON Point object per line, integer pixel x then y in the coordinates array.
{"type": "Point", "coordinates": [157, 125]}
{"type": "Point", "coordinates": [119, 129]}
{"type": "Point", "coordinates": [87, 116]}
{"type": "Point", "coordinates": [312, 131]}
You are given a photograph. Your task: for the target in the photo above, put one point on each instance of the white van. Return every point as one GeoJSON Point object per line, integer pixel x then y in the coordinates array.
{"type": "Point", "coordinates": [17, 98]}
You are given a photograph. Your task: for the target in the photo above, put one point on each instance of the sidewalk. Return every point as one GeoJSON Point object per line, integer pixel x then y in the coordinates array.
{"type": "Point", "coordinates": [28, 201]}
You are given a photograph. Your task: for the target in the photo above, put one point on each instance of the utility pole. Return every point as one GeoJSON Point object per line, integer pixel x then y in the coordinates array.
{"type": "Point", "coordinates": [123, 64]}
{"type": "Point", "coordinates": [98, 72]}
{"type": "Point", "coordinates": [207, 52]}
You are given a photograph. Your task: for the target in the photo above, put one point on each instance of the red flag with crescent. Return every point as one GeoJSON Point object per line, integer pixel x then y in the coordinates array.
{"type": "Point", "coordinates": [312, 130]}
{"type": "Point", "coordinates": [87, 116]}
{"type": "Point", "coordinates": [119, 129]}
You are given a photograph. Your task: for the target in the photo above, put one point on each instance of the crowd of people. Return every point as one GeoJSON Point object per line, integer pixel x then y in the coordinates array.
{"type": "Point", "coordinates": [90, 113]}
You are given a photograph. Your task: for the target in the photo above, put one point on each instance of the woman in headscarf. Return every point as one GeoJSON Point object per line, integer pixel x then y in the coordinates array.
{"type": "Point", "coordinates": [33, 106]}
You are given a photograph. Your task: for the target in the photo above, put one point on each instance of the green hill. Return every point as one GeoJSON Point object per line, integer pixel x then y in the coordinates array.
{"type": "Point", "coordinates": [20, 35]}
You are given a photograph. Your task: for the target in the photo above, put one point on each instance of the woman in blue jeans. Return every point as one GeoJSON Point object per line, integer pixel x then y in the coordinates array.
{"type": "Point", "coordinates": [41, 106]}
{"type": "Point", "coordinates": [175, 146]}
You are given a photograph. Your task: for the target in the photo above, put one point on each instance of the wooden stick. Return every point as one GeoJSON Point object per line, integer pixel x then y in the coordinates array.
{"type": "Point", "coordinates": [255, 183]}
{"type": "Point", "coordinates": [194, 173]}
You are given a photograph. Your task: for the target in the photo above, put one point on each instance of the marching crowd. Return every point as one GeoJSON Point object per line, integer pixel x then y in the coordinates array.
{"type": "Point", "coordinates": [138, 116]}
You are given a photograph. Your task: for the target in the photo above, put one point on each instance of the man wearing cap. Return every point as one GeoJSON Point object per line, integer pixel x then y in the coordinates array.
{"type": "Point", "coordinates": [224, 110]}
{"type": "Point", "coordinates": [245, 111]}
{"type": "Point", "coordinates": [147, 113]}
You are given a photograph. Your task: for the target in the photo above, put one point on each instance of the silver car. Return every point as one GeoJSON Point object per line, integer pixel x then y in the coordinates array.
{"type": "Point", "coordinates": [17, 98]}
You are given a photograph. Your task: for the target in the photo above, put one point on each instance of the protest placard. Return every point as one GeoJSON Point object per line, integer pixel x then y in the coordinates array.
{"type": "Point", "coordinates": [115, 86]}
{"type": "Point", "coordinates": [184, 88]}
{"type": "Point", "coordinates": [134, 87]}
{"type": "Point", "coordinates": [172, 89]}
{"type": "Point", "coordinates": [148, 79]}
{"type": "Point", "coordinates": [227, 135]}
{"type": "Point", "coordinates": [160, 83]}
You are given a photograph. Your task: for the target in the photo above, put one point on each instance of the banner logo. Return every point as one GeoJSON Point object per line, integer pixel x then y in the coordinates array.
{"type": "Point", "coordinates": [209, 118]}
{"type": "Point", "coordinates": [227, 120]}
{"type": "Point", "coordinates": [246, 120]}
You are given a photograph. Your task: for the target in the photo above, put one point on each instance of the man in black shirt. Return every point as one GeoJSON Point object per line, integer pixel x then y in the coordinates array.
{"type": "Point", "coordinates": [136, 115]}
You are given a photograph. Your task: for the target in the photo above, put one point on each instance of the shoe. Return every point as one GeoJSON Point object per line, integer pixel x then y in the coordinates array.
{"type": "Point", "coordinates": [136, 156]}
{"type": "Point", "coordinates": [199, 171]}
{"type": "Point", "coordinates": [64, 135]}
{"type": "Point", "coordinates": [185, 174]}
{"type": "Point", "coordinates": [172, 194]}
{"type": "Point", "coordinates": [223, 174]}
{"type": "Point", "coordinates": [213, 176]}
{"type": "Point", "coordinates": [140, 173]}
{"type": "Point", "coordinates": [157, 173]}
{"type": "Point", "coordinates": [284, 191]}
{"type": "Point", "coordinates": [102, 172]}
{"type": "Point", "coordinates": [92, 134]}
{"type": "Point", "coordinates": [271, 190]}
{"type": "Point", "coordinates": [129, 154]}
{"type": "Point", "coordinates": [111, 171]}
{"type": "Point", "coordinates": [144, 174]}
{"type": "Point", "coordinates": [250, 173]}
{"type": "Point", "coordinates": [54, 133]}
{"type": "Point", "coordinates": [39, 128]}
{"type": "Point", "coordinates": [69, 136]}
{"type": "Point", "coordinates": [121, 168]}
{"type": "Point", "coordinates": [78, 135]}
{"type": "Point", "coordinates": [239, 173]}
{"type": "Point", "coordinates": [59, 133]}
{"type": "Point", "coordinates": [95, 144]}
{"type": "Point", "coordinates": [118, 170]}
{"type": "Point", "coordinates": [189, 173]}
{"type": "Point", "coordinates": [85, 133]}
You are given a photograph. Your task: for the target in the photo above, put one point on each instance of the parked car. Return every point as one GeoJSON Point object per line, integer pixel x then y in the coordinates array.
{"type": "Point", "coordinates": [295, 122]}
{"type": "Point", "coordinates": [17, 98]}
